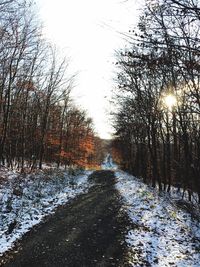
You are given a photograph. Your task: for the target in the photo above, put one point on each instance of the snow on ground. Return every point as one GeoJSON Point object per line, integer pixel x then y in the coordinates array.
{"type": "Point", "coordinates": [162, 235]}
{"type": "Point", "coordinates": [108, 163]}
{"type": "Point", "coordinates": [25, 201]}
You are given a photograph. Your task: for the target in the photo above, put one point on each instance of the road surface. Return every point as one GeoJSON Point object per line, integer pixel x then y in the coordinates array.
{"type": "Point", "coordinates": [89, 231]}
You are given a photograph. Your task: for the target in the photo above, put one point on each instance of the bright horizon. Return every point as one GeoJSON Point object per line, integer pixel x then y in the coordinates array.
{"type": "Point", "coordinates": [88, 32]}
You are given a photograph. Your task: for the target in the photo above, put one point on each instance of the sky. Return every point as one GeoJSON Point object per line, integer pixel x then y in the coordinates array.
{"type": "Point", "coordinates": [89, 32]}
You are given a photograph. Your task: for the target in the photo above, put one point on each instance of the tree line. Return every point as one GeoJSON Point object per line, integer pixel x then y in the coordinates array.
{"type": "Point", "coordinates": [158, 96]}
{"type": "Point", "coordinates": [38, 120]}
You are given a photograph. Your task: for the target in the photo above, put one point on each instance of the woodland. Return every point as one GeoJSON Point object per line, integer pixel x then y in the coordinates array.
{"type": "Point", "coordinates": [69, 198]}
{"type": "Point", "coordinates": [39, 121]}
{"type": "Point", "coordinates": [158, 97]}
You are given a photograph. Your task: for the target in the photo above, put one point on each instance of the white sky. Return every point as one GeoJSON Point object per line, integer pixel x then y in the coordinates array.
{"type": "Point", "coordinates": [88, 32]}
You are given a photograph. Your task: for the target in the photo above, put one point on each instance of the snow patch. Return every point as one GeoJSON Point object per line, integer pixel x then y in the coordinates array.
{"type": "Point", "coordinates": [108, 163]}
{"type": "Point", "coordinates": [25, 201]}
{"type": "Point", "coordinates": [162, 235]}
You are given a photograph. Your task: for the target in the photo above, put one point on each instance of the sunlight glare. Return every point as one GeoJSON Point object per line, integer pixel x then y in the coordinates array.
{"type": "Point", "coordinates": [170, 101]}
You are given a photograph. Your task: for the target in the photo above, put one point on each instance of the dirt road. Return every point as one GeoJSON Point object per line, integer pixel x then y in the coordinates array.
{"type": "Point", "coordinates": [89, 231]}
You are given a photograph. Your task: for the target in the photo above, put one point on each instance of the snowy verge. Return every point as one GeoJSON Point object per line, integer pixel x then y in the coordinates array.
{"type": "Point", "coordinates": [25, 201]}
{"type": "Point", "coordinates": [161, 234]}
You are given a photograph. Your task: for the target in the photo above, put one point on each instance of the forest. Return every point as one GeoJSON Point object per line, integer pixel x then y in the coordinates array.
{"type": "Point", "coordinates": [39, 121]}
{"type": "Point", "coordinates": [157, 123]}
{"type": "Point", "coordinates": [69, 197]}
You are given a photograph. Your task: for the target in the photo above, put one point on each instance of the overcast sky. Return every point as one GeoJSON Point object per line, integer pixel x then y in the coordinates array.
{"type": "Point", "coordinates": [88, 31]}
